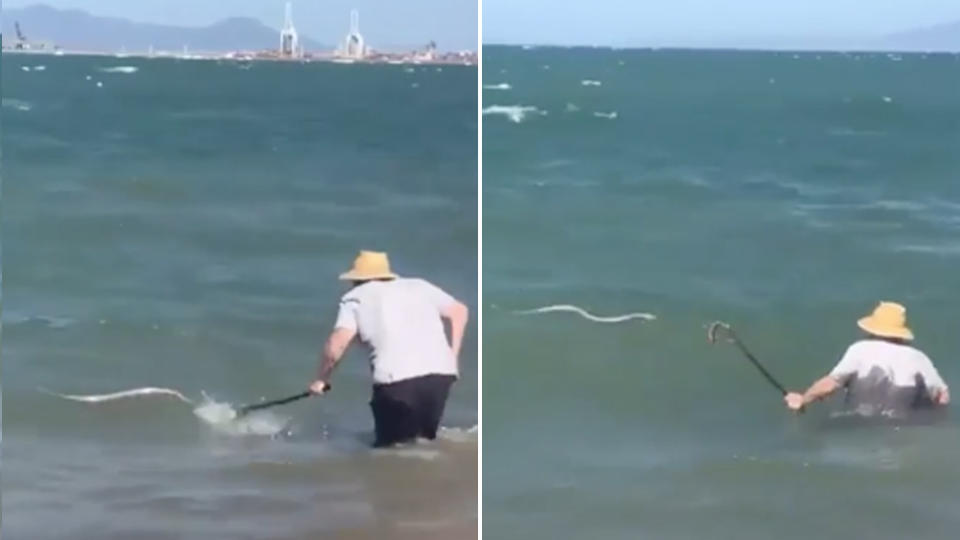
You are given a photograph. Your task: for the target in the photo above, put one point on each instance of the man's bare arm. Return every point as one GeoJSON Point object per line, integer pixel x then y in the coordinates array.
{"type": "Point", "coordinates": [333, 351]}
{"type": "Point", "coordinates": [458, 314]}
{"type": "Point", "coordinates": [817, 391]}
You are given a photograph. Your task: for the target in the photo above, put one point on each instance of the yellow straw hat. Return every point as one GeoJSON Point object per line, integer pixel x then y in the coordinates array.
{"type": "Point", "coordinates": [369, 265]}
{"type": "Point", "coordinates": [889, 320]}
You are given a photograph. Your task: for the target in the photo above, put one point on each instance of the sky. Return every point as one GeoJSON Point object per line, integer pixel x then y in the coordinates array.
{"type": "Point", "coordinates": [728, 23]}
{"type": "Point", "coordinates": [383, 23]}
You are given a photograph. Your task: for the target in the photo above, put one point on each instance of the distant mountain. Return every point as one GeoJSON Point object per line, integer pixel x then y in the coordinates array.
{"type": "Point", "coordinates": [943, 37]}
{"type": "Point", "coordinates": [79, 30]}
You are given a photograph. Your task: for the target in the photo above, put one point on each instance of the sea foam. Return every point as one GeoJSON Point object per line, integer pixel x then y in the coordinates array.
{"type": "Point", "coordinates": [516, 113]}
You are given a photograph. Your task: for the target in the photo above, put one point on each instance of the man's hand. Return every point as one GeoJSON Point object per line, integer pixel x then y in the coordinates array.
{"type": "Point", "coordinates": [943, 397]}
{"type": "Point", "coordinates": [318, 387]}
{"type": "Point", "coordinates": [794, 401]}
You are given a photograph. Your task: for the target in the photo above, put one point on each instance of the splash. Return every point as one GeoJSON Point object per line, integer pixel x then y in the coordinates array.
{"type": "Point", "coordinates": [224, 419]}
{"type": "Point", "coordinates": [589, 316]}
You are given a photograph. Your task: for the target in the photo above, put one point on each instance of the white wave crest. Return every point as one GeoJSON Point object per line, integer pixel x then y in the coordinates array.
{"type": "Point", "coordinates": [516, 113]}
{"type": "Point", "coordinates": [501, 86]}
{"type": "Point", "coordinates": [610, 115]}
{"type": "Point", "coordinates": [17, 104]}
{"type": "Point", "coordinates": [120, 69]}
{"type": "Point", "coordinates": [587, 315]}
{"type": "Point", "coordinates": [458, 435]}
{"type": "Point", "coordinates": [590, 82]}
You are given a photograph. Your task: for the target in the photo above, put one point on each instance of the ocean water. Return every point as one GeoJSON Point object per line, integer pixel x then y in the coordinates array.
{"type": "Point", "coordinates": [180, 225]}
{"type": "Point", "coordinates": [782, 193]}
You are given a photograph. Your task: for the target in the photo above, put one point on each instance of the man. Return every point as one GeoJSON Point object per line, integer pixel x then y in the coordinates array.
{"type": "Point", "coordinates": [883, 373]}
{"type": "Point", "coordinates": [413, 364]}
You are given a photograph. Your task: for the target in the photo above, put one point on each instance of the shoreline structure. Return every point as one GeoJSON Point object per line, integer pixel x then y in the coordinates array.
{"type": "Point", "coordinates": [353, 50]}
{"type": "Point", "coordinates": [464, 58]}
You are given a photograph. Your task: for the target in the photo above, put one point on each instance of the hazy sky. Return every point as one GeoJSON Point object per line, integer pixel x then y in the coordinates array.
{"type": "Point", "coordinates": [705, 22]}
{"type": "Point", "coordinates": [451, 23]}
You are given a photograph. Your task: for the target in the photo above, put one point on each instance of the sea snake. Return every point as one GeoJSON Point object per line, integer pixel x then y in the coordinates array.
{"type": "Point", "coordinates": [136, 392]}
{"type": "Point", "coordinates": [586, 315]}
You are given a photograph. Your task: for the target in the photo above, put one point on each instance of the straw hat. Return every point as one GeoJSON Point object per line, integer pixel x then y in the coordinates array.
{"type": "Point", "coordinates": [369, 265]}
{"type": "Point", "coordinates": [888, 320]}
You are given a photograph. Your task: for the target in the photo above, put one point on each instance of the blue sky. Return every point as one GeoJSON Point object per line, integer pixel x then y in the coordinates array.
{"type": "Point", "coordinates": [707, 22]}
{"type": "Point", "coordinates": [451, 23]}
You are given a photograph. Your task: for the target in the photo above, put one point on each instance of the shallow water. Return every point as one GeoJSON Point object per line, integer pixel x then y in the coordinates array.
{"type": "Point", "coordinates": [182, 226]}
{"type": "Point", "coordinates": [783, 195]}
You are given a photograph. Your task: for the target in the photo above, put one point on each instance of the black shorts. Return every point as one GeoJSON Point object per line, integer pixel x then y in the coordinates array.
{"type": "Point", "coordinates": [408, 409]}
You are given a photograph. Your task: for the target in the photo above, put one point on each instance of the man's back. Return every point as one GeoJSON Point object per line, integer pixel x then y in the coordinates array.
{"type": "Point", "coordinates": [400, 320]}
{"type": "Point", "coordinates": [886, 375]}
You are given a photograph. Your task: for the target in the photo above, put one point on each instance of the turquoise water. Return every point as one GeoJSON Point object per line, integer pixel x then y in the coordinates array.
{"type": "Point", "coordinates": [182, 226]}
{"type": "Point", "coordinates": [783, 193]}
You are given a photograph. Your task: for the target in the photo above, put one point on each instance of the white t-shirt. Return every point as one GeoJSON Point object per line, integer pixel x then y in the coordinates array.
{"type": "Point", "coordinates": [400, 321]}
{"type": "Point", "coordinates": [877, 369]}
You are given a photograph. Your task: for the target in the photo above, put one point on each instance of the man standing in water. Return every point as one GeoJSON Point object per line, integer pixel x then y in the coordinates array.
{"type": "Point", "coordinates": [883, 373]}
{"type": "Point", "coordinates": [413, 364]}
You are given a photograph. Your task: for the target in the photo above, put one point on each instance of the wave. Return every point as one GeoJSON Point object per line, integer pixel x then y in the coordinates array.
{"type": "Point", "coordinates": [17, 104]}
{"type": "Point", "coordinates": [587, 315]}
{"type": "Point", "coordinates": [120, 69]}
{"type": "Point", "coordinates": [516, 113]}
{"type": "Point", "coordinates": [590, 82]}
{"type": "Point", "coordinates": [572, 107]}
{"type": "Point", "coordinates": [458, 435]}
{"type": "Point", "coordinates": [942, 249]}
{"type": "Point", "coordinates": [13, 318]}
{"type": "Point", "coordinates": [610, 115]}
{"type": "Point", "coordinates": [850, 132]}
{"type": "Point", "coordinates": [501, 86]}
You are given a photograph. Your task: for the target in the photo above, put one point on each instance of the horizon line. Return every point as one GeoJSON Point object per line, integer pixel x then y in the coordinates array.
{"type": "Point", "coordinates": [745, 48]}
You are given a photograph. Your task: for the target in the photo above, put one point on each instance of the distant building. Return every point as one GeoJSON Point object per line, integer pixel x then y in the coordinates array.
{"type": "Point", "coordinates": [353, 46]}
{"type": "Point", "coordinates": [289, 41]}
{"type": "Point", "coordinates": [428, 54]}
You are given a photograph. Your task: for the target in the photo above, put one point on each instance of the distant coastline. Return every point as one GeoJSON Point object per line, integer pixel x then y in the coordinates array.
{"type": "Point", "coordinates": [468, 58]}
